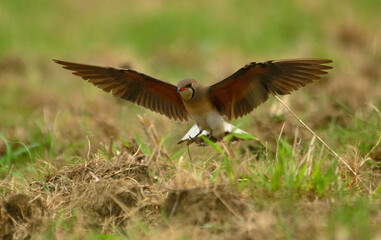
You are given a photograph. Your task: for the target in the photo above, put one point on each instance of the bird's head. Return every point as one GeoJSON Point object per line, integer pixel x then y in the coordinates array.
{"type": "Point", "coordinates": [186, 88]}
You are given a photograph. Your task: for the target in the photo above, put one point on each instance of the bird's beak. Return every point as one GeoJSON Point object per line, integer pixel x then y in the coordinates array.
{"type": "Point", "coordinates": [181, 89]}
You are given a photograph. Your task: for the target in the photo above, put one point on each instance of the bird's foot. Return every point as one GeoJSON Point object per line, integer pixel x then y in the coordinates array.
{"type": "Point", "coordinates": [212, 138]}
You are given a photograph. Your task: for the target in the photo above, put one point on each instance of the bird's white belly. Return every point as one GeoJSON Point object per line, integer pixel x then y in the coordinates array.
{"type": "Point", "coordinates": [206, 117]}
{"type": "Point", "coordinates": [214, 120]}
{"type": "Point", "coordinates": [210, 121]}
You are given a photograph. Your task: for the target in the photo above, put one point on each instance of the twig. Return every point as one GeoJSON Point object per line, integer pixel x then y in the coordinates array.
{"type": "Point", "coordinates": [174, 207]}
{"type": "Point", "coordinates": [89, 147]}
{"type": "Point", "coordinates": [190, 157]}
{"type": "Point", "coordinates": [226, 204]}
{"type": "Point", "coordinates": [280, 135]}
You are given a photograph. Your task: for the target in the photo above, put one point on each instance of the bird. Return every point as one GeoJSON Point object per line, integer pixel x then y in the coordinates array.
{"type": "Point", "coordinates": [233, 97]}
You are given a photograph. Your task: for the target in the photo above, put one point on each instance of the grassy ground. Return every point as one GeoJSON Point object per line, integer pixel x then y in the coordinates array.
{"type": "Point", "coordinates": [76, 163]}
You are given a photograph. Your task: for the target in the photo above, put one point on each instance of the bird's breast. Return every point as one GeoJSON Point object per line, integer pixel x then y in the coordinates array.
{"type": "Point", "coordinates": [199, 108]}
{"type": "Point", "coordinates": [204, 114]}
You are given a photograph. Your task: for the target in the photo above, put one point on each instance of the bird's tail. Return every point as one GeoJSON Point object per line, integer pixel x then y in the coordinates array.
{"type": "Point", "coordinates": [194, 135]}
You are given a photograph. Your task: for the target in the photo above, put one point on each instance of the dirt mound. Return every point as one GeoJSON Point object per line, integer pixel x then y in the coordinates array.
{"type": "Point", "coordinates": [106, 193]}
{"type": "Point", "coordinates": [102, 190]}
{"type": "Point", "coordinates": [20, 214]}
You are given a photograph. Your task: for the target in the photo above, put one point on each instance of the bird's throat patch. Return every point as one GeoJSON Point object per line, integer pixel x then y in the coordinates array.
{"type": "Point", "coordinates": [187, 94]}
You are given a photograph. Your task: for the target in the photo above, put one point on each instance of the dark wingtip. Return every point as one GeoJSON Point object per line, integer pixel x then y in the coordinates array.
{"type": "Point", "coordinates": [59, 61]}
{"type": "Point", "coordinates": [324, 61]}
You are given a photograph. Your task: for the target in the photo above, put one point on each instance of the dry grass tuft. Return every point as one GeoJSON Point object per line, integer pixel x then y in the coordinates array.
{"type": "Point", "coordinates": [105, 193]}
{"type": "Point", "coordinates": [110, 191]}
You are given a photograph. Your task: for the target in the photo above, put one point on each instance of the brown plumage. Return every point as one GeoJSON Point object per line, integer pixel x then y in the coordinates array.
{"type": "Point", "coordinates": [251, 85]}
{"type": "Point", "coordinates": [233, 97]}
{"type": "Point", "coordinates": [143, 90]}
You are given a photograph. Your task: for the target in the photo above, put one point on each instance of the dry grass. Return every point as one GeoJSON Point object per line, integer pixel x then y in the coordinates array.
{"type": "Point", "coordinates": [136, 195]}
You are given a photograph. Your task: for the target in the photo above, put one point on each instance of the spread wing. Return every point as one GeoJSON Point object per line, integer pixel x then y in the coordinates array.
{"type": "Point", "coordinates": [251, 85]}
{"type": "Point", "coordinates": [143, 90]}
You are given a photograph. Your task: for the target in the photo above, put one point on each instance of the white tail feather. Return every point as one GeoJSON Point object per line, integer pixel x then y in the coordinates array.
{"type": "Point", "coordinates": [229, 128]}
{"type": "Point", "coordinates": [194, 132]}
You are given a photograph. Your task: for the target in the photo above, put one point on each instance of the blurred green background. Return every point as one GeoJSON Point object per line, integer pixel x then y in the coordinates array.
{"type": "Point", "coordinates": [169, 40]}
{"type": "Point", "coordinates": [50, 119]}
{"type": "Point", "coordinates": [176, 38]}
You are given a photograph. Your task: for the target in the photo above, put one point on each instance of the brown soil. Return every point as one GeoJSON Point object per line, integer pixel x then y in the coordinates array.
{"type": "Point", "coordinates": [203, 205]}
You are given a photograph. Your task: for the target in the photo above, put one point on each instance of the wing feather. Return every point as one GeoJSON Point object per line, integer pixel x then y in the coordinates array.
{"type": "Point", "coordinates": [251, 85]}
{"type": "Point", "coordinates": [141, 89]}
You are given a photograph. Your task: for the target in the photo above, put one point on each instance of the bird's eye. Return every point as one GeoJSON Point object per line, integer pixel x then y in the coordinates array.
{"type": "Point", "coordinates": [189, 85]}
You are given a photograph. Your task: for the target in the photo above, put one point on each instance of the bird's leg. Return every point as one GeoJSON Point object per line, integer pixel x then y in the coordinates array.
{"type": "Point", "coordinates": [211, 137]}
